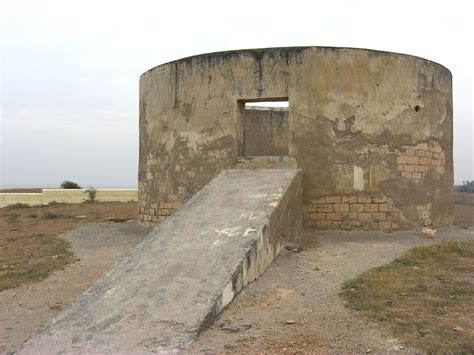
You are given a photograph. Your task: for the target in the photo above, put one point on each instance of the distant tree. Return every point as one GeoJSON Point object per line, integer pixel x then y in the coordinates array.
{"type": "Point", "coordinates": [69, 185]}
{"type": "Point", "coordinates": [467, 186]}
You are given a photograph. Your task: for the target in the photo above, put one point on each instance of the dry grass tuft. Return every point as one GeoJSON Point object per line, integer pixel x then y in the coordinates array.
{"type": "Point", "coordinates": [426, 296]}
{"type": "Point", "coordinates": [30, 243]}
{"type": "Point", "coordinates": [17, 205]}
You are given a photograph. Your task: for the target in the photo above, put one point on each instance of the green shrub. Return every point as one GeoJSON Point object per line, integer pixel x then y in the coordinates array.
{"type": "Point", "coordinates": [69, 185]}
{"type": "Point", "coordinates": [54, 215]}
{"type": "Point", "coordinates": [92, 192]}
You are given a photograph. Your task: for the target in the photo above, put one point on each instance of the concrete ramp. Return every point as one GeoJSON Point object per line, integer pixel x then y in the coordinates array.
{"type": "Point", "coordinates": [174, 284]}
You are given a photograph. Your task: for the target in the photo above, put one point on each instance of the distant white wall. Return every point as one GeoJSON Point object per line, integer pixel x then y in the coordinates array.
{"type": "Point", "coordinates": [64, 195]}
{"type": "Point", "coordinates": [32, 199]}
{"type": "Point", "coordinates": [68, 196]}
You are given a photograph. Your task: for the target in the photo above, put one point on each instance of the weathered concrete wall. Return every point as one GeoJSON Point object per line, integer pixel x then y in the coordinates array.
{"type": "Point", "coordinates": [117, 195]}
{"type": "Point", "coordinates": [266, 162]}
{"type": "Point", "coordinates": [362, 124]}
{"type": "Point", "coordinates": [32, 199]}
{"type": "Point", "coordinates": [266, 131]}
{"type": "Point", "coordinates": [68, 196]}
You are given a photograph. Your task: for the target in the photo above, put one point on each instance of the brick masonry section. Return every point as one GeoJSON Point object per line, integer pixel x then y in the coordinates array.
{"type": "Point", "coordinates": [152, 212]}
{"type": "Point", "coordinates": [159, 212]}
{"type": "Point", "coordinates": [362, 211]}
{"type": "Point", "coordinates": [413, 161]}
{"type": "Point", "coordinates": [416, 160]}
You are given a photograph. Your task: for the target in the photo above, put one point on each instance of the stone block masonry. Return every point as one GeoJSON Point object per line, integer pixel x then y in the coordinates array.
{"type": "Point", "coordinates": [412, 161]}
{"type": "Point", "coordinates": [362, 211]}
{"type": "Point", "coordinates": [415, 161]}
{"type": "Point", "coordinates": [172, 198]}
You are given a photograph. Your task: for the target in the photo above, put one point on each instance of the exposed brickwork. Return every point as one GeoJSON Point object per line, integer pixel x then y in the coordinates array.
{"type": "Point", "coordinates": [424, 214]}
{"type": "Point", "coordinates": [171, 198]}
{"type": "Point", "coordinates": [358, 211]}
{"type": "Point", "coordinates": [415, 161]}
{"type": "Point", "coordinates": [362, 212]}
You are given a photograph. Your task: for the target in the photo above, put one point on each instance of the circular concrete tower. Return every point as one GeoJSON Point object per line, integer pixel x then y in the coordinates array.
{"type": "Point", "coordinates": [371, 131]}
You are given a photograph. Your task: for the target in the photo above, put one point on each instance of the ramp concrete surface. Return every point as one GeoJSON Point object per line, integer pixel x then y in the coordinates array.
{"type": "Point", "coordinates": [173, 284]}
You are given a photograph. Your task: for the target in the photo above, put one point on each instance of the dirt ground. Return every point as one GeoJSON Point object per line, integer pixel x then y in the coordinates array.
{"type": "Point", "coordinates": [425, 296]}
{"type": "Point", "coordinates": [29, 248]}
{"type": "Point", "coordinates": [25, 308]}
{"type": "Point", "coordinates": [463, 209]}
{"type": "Point", "coordinates": [294, 306]}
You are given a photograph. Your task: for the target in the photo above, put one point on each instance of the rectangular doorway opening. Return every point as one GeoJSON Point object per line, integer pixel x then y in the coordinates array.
{"type": "Point", "coordinates": [265, 127]}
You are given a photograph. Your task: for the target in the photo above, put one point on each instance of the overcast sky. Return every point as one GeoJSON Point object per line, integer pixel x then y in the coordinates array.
{"type": "Point", "coordinates": [70, 69]}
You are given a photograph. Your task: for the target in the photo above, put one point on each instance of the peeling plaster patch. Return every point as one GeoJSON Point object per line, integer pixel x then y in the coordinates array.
{"type": "Point", "coordinates": [337, 111]}
{"type": "Point", "coordinates": [194, 140]}
{"type": "Point", "coordinates": [341, 126]}
{"type": "Point", "coordinates": [369, 123]}
{"type": "Point", "coordinates": [358, 178]}
{"type": "Point", "coordinates": [227, 295]}
{"type": "Point", "coordinates": [168, 140]}
{"type": "Point", "coordinates": [331, 111]}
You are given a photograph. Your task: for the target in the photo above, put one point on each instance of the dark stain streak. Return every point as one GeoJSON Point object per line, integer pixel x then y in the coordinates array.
{"type": "Point", "coordinates": [258, 58]}
{"type": "Point", "coordinates": [176, 101]}
{"type": "Point", "coordinates": [295, 52]}
{"type": "Point", "coordinates": [286, 56]}
{"type": "Point", "coordinates": [209, 84]}
{"type": "Point", "coordinates": [209, 77]}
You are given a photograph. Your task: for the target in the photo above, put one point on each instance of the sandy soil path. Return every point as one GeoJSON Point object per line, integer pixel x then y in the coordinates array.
{"type": "Point", "coordinates": [303, 288]}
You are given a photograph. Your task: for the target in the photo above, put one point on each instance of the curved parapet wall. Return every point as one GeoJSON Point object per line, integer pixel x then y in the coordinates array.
{"type": "Point", "coordinates": [371, 130]}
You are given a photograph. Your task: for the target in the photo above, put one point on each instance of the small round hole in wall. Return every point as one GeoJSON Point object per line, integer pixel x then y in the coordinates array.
{"type": "Point", "coordinates": [417, 108]}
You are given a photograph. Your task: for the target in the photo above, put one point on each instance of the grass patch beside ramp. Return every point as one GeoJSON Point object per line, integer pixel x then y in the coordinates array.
{"type": "Point", "coordinates": [426, 296]}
